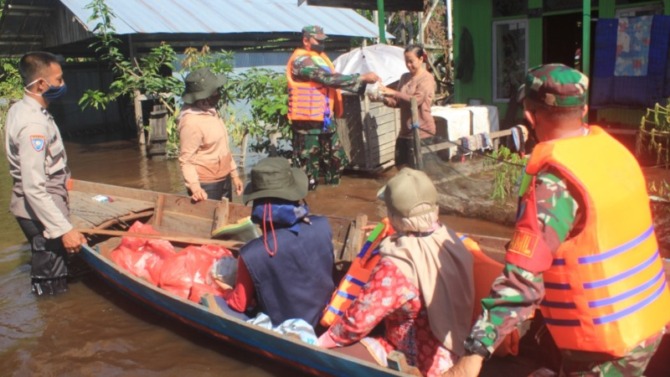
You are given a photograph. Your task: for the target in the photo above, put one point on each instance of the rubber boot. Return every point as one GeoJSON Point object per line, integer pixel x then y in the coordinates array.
{"type": "Point", "coordinates": [48, 287]}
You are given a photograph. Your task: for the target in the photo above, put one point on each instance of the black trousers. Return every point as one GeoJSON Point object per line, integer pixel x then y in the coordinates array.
{"type": "Point", "coordinates": [218, 190]}
{"type": "Point", "coordinates": [49, 257]}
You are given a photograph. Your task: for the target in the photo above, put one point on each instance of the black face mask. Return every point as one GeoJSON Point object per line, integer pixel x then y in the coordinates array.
{"type": "Point", "coordinates": [318, 48]}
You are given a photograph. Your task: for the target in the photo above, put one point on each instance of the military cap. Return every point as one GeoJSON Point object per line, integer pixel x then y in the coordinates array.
{"type": "Point", "coordinates": [555, 85]}
{"type": "Point", "coordinates": [315, 31]}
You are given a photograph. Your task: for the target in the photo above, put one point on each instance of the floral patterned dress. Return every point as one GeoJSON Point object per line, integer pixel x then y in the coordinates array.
{"type": "Point", "coordinates": [390, 297]}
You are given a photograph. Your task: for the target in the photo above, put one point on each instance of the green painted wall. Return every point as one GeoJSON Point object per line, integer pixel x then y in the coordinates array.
{"type": "Point", "coordinates": [475, 15]}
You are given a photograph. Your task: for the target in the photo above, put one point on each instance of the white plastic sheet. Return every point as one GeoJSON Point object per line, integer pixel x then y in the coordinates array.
{"type": "Point", "coordinates": [388, 62]}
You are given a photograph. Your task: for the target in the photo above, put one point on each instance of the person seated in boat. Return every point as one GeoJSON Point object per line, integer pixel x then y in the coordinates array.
{"type": "Point", "coordinates": [422, 289]}
{"type": "Point", "coordinates": [205, 157]}
{"type": "Point", "coordinates": [287, 272]}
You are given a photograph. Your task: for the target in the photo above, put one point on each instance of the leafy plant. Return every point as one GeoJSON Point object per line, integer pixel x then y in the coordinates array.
{"type": "Point", "coordinates": [654, 133]}
{"type": "Point", "coordinates": [659, 189]}
{"type": "Point", "coordinates": [507, 175]}
{"type": "Point", "coordinates": [144, 76]}
{"type": "Point", "coordinates": [263, 90]}
{"type": "Point", "coordinates": [11, 86]}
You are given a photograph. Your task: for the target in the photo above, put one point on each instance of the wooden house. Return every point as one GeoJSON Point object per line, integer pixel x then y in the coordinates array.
{"type": "Point", "coordinates": [260, 32]}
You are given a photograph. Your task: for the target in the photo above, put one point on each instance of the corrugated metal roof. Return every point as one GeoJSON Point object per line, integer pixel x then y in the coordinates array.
{"type": "Point", "coordinates": [225, 16]}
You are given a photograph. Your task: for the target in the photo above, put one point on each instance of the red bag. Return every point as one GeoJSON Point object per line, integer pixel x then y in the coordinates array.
{"type": "Point", "coordinates": [138, 263]}
{"type": "Point", "coordinates": [187, 273]}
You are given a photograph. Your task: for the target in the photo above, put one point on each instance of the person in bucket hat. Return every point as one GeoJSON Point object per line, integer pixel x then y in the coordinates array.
{"type": "Point", "coordinates": [202, 84]}
{"type": "Point", "coordinates": [275, 178]}
{"type": "Point", "coordinates": [583, 250]}
{"type": "Point", "coordinates": [314, 102]}
{"type": "Point", "coordinates": [205, 157]}
{"type": "Point", "coordinates": [287, 272]}
{"type": "Point", "coordinates": [423, 282]}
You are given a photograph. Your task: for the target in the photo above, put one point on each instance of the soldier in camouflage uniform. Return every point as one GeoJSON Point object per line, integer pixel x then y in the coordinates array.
{"type": "Point", "coordinates": [316, 144]}
{"type": "Point", "coordinates": [560, 215]}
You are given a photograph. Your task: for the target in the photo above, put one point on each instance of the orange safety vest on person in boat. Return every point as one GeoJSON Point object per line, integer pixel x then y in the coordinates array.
{"type": "Point", "coordinates": [358, 274]}
{"type": "Point", "coordinates": [310, 100]}
{"type": "Point", "coordinates": [487, 270]}
{"type": "Point", "coordinates": [605, 290]}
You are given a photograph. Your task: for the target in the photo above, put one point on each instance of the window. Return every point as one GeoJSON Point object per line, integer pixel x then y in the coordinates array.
{"type": "Point", "coordinates": [510, 58]}
{"type": "Point", "coordinates": [506, 8]}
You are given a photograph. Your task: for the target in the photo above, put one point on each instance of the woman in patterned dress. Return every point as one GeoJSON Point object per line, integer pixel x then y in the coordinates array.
{"type": "Point", "coordinates": [422, 290]}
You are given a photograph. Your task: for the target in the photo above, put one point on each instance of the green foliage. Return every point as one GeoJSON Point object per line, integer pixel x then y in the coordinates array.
{"type": "Point", "coordinates": [144, 76]}
{"type": "Point", "coordinates": [509, 169]}
{"type": "Point", "coordinates": [11, 86]}
{"type": "Point", "coordinates": [263, 90]}
{"type": "Point", "coordinates": [266, 93]}
{"type": "Point", "coordinates": [659, 189]}
{"type": "Point", "coordinates": [654, 135]}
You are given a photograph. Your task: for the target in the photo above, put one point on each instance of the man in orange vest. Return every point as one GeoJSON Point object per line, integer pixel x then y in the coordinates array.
{"type": "Point", "coordinates": [314, 102]}
{"type": "Point", "coordinates": [584, 249]}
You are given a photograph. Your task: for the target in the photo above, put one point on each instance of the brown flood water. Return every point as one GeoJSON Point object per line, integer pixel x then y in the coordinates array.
{"type": "Point", "coordinates": [95, 331]}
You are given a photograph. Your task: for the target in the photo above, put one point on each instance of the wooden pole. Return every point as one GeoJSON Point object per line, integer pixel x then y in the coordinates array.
{"type": "Point", "coordinates": [417, 137]}
{"type": "Point", "coordinates": [235, 245]}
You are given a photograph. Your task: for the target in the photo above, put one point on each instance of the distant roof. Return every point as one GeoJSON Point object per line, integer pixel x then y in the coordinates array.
{"type": "Point", "coordinates": [226, 16]}
{"type": "Point", "coordinates": [389, 5]}
{"type": "Point", "coordinates": [64, 25]}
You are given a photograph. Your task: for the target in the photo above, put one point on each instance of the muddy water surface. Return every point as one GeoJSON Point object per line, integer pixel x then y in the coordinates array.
{"type": "Point", "coordinates": [94, 331]}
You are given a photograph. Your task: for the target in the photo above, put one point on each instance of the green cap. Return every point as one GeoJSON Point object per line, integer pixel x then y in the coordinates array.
{"type": "Point", "coordinates": [201, 84]}
{"type": "Point", "coordinates": [555, 85]}
{"type": "Point", "coordinates": [315, 31]}
{"type": "Point", "coordinates": [273, 177]}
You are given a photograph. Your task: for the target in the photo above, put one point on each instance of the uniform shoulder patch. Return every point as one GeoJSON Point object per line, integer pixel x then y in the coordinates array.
{"type": "Point", "coordinates": [523, 243]}
{"type": "Point", "coordinates": [38, 142]}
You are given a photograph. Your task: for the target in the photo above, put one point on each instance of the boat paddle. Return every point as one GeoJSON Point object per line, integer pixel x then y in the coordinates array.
{"type": "Point", "coordinates": [234, 245]}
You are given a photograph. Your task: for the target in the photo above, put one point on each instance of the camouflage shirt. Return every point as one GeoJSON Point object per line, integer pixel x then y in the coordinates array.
{"type": "Point", "coordinates": [517, 292]}
{"type": "Point", "coordinates": [307, 68]}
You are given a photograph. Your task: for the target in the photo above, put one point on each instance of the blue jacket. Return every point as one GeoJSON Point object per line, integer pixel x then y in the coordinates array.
{"type": "Point", "coordinates": [298, 281]}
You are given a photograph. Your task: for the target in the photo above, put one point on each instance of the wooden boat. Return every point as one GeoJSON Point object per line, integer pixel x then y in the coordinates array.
{"type": "Point", "coordinates": [105, 211]}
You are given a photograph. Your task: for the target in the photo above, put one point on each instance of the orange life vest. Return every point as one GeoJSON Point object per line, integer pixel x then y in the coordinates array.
{"type": "Point", "coordinates": [487, 270]}
{"type": "Point", "coordinates": [309, 100]}
{"type": "Point", "coordinates": [606, 289]}
{"type": "Point", "coordinates": [358, 274]}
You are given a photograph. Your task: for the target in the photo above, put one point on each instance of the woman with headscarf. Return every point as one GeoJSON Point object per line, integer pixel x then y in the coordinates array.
{"type": "Point", "coordinates": [286, 273]}
{"type": "Point", "coordinates": [422, 289]}
{"type": "Point", "coordinates": [204, 151]}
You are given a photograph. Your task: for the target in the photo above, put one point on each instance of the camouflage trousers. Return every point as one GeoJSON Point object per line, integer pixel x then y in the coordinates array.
{"type": "Point", "coordinates": [630, 365]}
{"type": "Point", "coordinates": [320, 154]}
